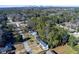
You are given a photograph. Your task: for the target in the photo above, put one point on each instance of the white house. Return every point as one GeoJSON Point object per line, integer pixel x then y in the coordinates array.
{"type": "Point", "coordinates": [33, 33]}
{"type": "Point", "coordinates": [42, 44]}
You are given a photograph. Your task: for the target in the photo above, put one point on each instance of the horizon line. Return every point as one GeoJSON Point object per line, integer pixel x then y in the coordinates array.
{"type": "Point", "coordinates": [12, 6]}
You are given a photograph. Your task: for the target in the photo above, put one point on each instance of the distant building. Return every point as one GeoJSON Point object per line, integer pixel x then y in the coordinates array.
{"type": "Point", "coordinates": [3, 18]}
{"type": "Point", "coordinates": [1, 40]}
{"type": "Point", "coordinates": [76, 34]}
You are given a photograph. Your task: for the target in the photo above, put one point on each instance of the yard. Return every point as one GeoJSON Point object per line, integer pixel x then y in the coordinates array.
{"type": "Point", "coordinates": [60, 50]}
{"type": "Point", "coordinates": [19, 48]}
{"type": "Point", "coordinates": [34, 45]}
{"type": "Point", "coordinates": [64, 50]}
{"type": "Point", "coordinates": [77, 48]}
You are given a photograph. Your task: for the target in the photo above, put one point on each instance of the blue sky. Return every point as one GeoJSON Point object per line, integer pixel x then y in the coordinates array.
{"type": "Point", "coordinates": [20, 3]}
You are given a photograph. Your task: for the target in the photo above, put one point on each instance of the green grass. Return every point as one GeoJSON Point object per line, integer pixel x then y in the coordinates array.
{"type": "Point", "coordinates": [76, 48]}
{"type": "Point", "coordinates": [32, 39]}
{"type": "Point", "coordinates": [69, 50]}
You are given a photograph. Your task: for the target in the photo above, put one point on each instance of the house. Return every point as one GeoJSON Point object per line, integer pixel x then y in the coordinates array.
{"type": "Point", "coordinates": [6, 49]}
{"type": "Point", "coordinates": [33, 33]}
{"type": "Point", "coordinates": [23, 36]}
{"type": "Point", "coordinates": [39, 40]}
{"type": "Point", "coordinates": [7, 44]}
{"type": "Point", "coordinates": [42, 44]}
{"type": "Point", "coordinates": [3, 18]}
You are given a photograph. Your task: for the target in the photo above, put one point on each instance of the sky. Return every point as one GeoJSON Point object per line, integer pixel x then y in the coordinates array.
{"type": "Point", "coordinates": [20, 3]}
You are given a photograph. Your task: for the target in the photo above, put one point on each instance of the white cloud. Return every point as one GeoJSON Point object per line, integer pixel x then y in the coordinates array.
{"type": "Point", "coordinates": [41, 2]}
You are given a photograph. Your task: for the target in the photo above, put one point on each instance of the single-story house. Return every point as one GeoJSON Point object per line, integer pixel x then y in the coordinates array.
{"type": "Point", "coordinates": [42, 44]}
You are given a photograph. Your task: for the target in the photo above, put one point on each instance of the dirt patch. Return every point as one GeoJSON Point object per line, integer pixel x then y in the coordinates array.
{"type": "Point", "coordinates": [34, 46]}
{"type": "Point", "coordinates": [19, 48]}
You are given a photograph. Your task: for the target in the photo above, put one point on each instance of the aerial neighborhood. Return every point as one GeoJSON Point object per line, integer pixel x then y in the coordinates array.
{"type": "Point", "coordinates": [39, 30]}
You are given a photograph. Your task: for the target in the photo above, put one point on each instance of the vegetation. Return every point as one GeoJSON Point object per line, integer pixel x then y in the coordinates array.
{"type": "Point", "coordinates": [77, 29]}
{"type": "Point", "coordinates": [44, 21]}
{"type": "Point", "coordinates": [49, 31]}
{"type": "Point", "coordinates": [76, 48]}
{"type": "Point", "coordinates": [72, 40]}
{"type": "Point", "coordinates": [66, 49]}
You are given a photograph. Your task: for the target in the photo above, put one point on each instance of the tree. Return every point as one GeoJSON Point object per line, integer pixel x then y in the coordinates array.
{"type": "Point", "coordinates": [77, 29]}
{"type": "Point", "coordinates": [52, 40]}
{"type": "Point", "coordinates": [71, 40]}
{"type": "Point", "coordinates": [56, 36]}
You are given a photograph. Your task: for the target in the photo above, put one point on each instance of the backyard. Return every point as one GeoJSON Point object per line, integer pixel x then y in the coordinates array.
{"type": "Point", "coordinates": [64, 50]}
